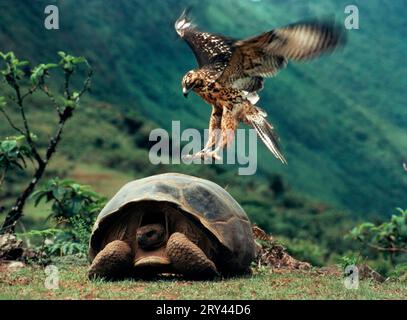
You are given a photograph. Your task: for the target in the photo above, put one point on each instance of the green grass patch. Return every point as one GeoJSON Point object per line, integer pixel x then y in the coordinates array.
{"type": "Point", "coordinates": [28, 283]}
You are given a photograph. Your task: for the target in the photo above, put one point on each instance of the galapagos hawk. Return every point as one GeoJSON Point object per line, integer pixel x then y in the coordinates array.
{"type": "Point", "coordinates": [231, 72]}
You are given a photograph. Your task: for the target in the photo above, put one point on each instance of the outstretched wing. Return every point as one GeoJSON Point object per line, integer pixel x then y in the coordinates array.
{"type": "Point", "coordinates": [208, 48]}
{"type": "Point", "coordinates": [266, 54]}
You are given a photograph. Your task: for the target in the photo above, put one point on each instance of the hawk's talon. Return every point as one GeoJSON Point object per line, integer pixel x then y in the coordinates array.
{"type": "Point", "coordinates": [213, 155]}
{"type": "Point", "coordinates": [202, 155]}
{"type": "Point", "coordinates": [192, 156]}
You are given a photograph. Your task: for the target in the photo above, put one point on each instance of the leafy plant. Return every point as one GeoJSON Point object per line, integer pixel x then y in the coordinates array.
{"type": "Point", "coordinates": [41, 238]}
{"type": "Point", "coordinates": [40, 72]}
{"type": "Point", "coordinates": [53, 242]}
{"type": "Point", "coordinates": [74, 208]}
{"type": "Point", "coordinates": [13, 154]}
{"type": "Point", "coordinates": [13, 69]}
{"type": "Point", "coordinates": [71, 240]}
{"type": "Point", "coordinates": [64, 244]}
{"type": "Point", "coordinates": [70, 200]}
{"type": "Point", "coordinates": [81, 230]}
{"type": "Point", "coordinates": [349, 260]}
{"type": "Point", "coordinates": [12, 151]}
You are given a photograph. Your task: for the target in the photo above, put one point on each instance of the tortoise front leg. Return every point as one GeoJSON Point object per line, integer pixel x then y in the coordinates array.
{"type": "Point", "coordinates": [188, 259]}
{"type": "Point", "coordinates": [115, 261]}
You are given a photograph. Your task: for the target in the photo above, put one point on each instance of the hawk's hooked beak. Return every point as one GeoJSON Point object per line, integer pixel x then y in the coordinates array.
{"type": "Point", "coordinates": [186, 91]}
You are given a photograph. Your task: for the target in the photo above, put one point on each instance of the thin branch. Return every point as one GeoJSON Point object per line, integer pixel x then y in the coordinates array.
{"type": "Point", "coordinates": [26, 126]}
{"type": "Point", "coordinates": [51, 97]}
{"type": "Point", "coordinates": [391, 249]}
{"type": "Point", "coordinates": [29, 92]}
{"type": "Point", "coordinates": [22, 111]}
{"type": "Point", "coordinates": [2, 176]}
{"type": "Point", "coordinates": [11, 122]}
{"type": "Point", "coordinates": [66, 85]}
{"type": "Point", "coordinates": [86, 83]}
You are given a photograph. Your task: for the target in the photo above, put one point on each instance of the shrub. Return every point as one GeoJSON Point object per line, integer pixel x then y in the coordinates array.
{"type": "Point", "coordinates": [14, 151]}
{"type": "Point", "coordinates": [390, 237]}
{"type": "Point", "coordinates": [74, 208]}
{"type": "Point", "coordinates": [349, 260]}
{"type": "Point", "coordinates": [70, 200]}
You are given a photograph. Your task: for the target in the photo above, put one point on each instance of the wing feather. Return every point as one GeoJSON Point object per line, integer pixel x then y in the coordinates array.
{"type": "Point", "coordinates": [266, 54]}
{"type": "Point", "coordinates": [208, 48]}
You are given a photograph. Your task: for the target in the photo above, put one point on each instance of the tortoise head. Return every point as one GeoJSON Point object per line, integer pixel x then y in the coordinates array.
{"type": "Point", "coordinates": [151, 236]}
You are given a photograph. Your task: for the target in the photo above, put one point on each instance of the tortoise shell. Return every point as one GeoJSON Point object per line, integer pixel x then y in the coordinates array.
{"type": "Point", "coordinates": [203, 200]}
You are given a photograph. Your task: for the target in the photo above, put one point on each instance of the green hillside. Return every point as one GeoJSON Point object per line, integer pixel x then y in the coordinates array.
{"type": "Point", "coordinates": [105, 148]}
{"type": "Point", "coordinates": [341, 119]}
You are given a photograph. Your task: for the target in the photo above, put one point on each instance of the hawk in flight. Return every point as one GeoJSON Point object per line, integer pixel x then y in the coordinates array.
{"type": "Point", "coordinates": [231, 72]}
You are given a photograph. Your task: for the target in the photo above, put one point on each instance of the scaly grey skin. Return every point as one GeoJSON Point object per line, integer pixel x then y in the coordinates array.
{"type": "Point", "coordinates": [115, 261]}
{"type": "Point", "coordinates": [186, 257]}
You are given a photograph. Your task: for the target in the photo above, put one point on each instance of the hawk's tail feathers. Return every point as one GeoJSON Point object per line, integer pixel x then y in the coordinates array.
{"type": "Point", "coordinates": [266, 133]}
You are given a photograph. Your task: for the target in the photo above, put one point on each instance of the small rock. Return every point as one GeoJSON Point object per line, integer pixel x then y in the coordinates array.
{"type": "Point", "coordinates": [11, 248]}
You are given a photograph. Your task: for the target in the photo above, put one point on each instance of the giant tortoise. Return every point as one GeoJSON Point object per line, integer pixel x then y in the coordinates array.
{"type": "Point", "coordinates": [171, 223]}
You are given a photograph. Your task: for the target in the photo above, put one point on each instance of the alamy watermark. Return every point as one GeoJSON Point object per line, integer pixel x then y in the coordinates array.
{"type": "Point", "coordinates": [52, 19]}
{"type": "Point", "coordinates": [51, 282]}
{"type": "Point", "coordinates": [351, 281]}
{"type": "Point", "coordinates": [352, 20]}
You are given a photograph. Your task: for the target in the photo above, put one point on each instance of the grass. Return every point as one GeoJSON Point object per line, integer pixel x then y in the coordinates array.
{"type": "Point", "coordinates": [28, 283]}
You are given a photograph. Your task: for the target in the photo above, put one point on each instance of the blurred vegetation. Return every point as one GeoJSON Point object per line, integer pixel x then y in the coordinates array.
{"type": "Point", "coordinates": [311, 230]}
{"type": "Point", "coordinates": [342, 119]}
{"type": "Point", "coordinates": [388, 238]}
